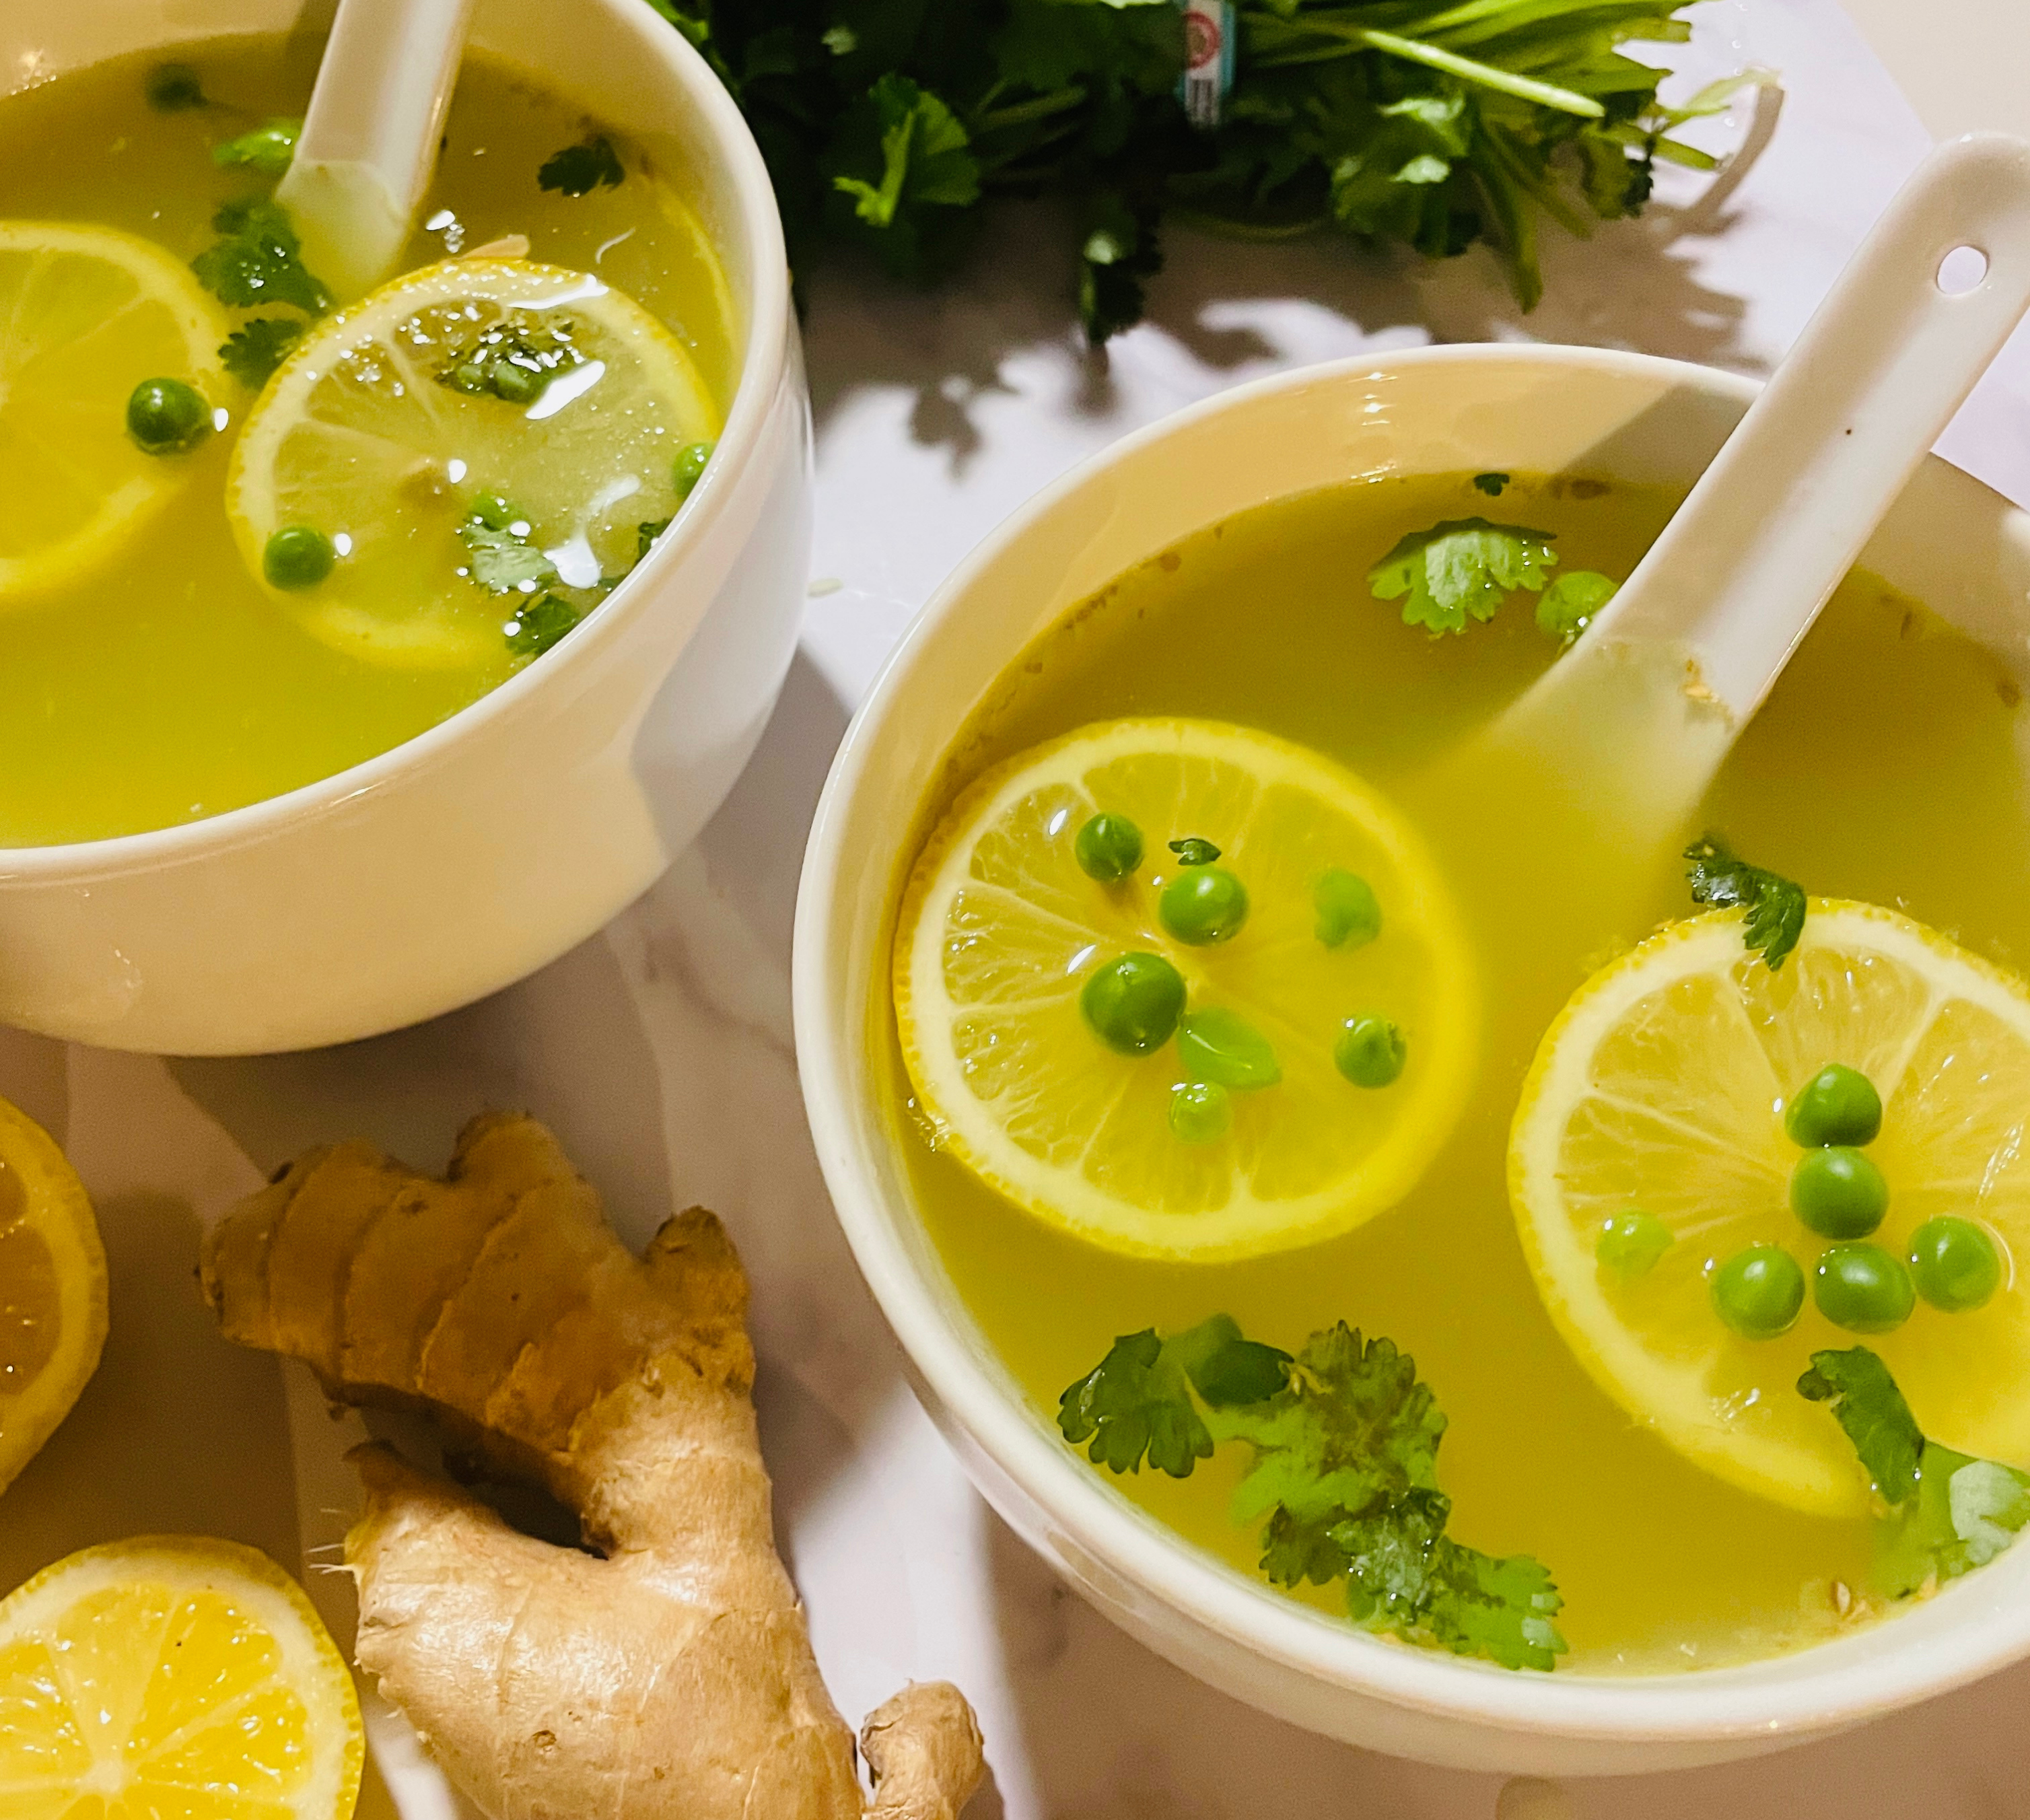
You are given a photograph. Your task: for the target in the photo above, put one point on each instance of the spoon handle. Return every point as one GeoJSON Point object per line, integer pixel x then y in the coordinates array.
{"type": "Point", "coordinates": [369, 140]}
{"type": "Point", "coordinates": [1777, 519]}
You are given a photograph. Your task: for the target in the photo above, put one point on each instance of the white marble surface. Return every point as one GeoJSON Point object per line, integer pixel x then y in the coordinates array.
{"type": "Point", "coordinates": [661, 1050]}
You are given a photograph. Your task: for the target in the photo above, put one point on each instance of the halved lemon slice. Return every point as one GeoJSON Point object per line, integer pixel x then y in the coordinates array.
{"type": "Point", "coordinates": [88, 314]}
{"type": "Point", "coordinates": [172, 1675]}
{"type": "Point", "coordinates": [52, 1290]}
{"type": "Point", "coordinates": [1662, 1087]}
{"type": "Point", "coordinates": [390, 420]}
{"type": "Point", "coordinates": [1001, 930]}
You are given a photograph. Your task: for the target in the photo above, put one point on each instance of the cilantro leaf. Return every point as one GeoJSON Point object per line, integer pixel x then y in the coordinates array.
{"type": "Point", "coordinates": [174, 88]}
{"type": "Point", "coordinates": [1856, 1385]}
{"type": "Point", "coordinates": [1568, 605]}
{"type": "Point", "coordinates": [258, 260]}
{"type": "Point", "coordinates": [267, 149]}
{"type": "Point", "coordinates": [1135, 1405]}
{"type": "Point", "coordinates": [646, 534]}
{"type": "Point", "coordinates": [904, 162]}
{"type": "Point", "coordinates": [1775, 906]}
{"type": "Point", "coordinates": [1948, 1513]}
{"type": "Point", "coordinates": [502, 560]}
{"type": "Point", "coordinates": [1462, 568]}
{"type": "Point", "coordinates": [1493, 484]}
{"type": "Point", "coordinates": [1192, 850]}
{"type": "Point", "coordinates": [579, 169]}
{"type": "Point", "coordinates": [1119, 255]}
{"type": "Point", "coordinates": [539, 623]}
{"type": "Point", "coordinates": [255, 349]}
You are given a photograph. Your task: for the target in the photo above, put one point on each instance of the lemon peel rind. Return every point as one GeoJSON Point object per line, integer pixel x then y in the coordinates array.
{"type": "Point", "coordinates": [60, 1213]}
{"type": "Point", "coordinates": [1255, 1227]}
{"type": "Point", "coordinates": [1565, 1272]}
{"type": "Point", "coordinates": [311, 1664]}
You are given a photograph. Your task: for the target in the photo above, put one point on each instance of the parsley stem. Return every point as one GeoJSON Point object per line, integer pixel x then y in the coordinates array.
{"type": "Point", "coordinates": [1431, 56]}
{"type": "Point", "coordinates": [1021, 113]}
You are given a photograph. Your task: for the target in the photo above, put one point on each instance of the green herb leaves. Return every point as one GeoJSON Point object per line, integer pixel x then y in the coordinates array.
{"type": "Point", "coordinates": [254, 350]}
{"type": "Point", "coordinates": [1948, 1513]}
{"type": "Point", "coordinates": [579, 169]}
{"type": "Point", "coordinates": [1193, 850]}
{"type": "Point", "coordinates": [498, 556]}
{"type": "Point", "coordinates": [1462, 569]}
{"type": "Point", "coordinates": [1775, 906]}
{"type": "Point", "coordinates": [886, 123]}
{"type": "Point", "coordinates": [1570, 602]}
{"type": "Point", "coordinates": [174, 88]}
{"type": "Point", "coordinates": [1344, 1480]}
{"type": "Point", "coordinates": [258, 260]}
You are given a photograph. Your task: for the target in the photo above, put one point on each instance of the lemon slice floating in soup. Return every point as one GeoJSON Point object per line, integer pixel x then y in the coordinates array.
{"type": "Point", "coordinates": [1185, 990]}
{"type": "Point", "coordinates": [90, 314]}
{"type": "Point", "coordinates": [173, 1675]}
{"type": "Point", "coordinates": [1717, 1170]}
{"type": "Point", "coordinates": [462, 443]}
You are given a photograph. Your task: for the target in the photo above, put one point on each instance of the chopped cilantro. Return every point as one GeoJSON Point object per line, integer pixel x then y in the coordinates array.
{"type": "Point", "coordinates": [258, 260]}
{"type": "Point", "coordinates": [267, 149]}
{"type": "Point", "coordinates": [1462, 569]}
{"type": "Point", "coordinates": [1492, 484]}
{"type": "Point", "coordinates": [1569, 603]}
{"type": "Point", "coordinates": [1343, 1479]}
{"type": "Point", "coordinates": [1948, 1513]}
{"type": "Point", "coordinates": [514, 359]}
{"type": "Point", "coordinates": [255, 349]}
{"type": "Point", "coordinates": [579, 169]}
{"type": "Point", "coordinates": [903, 162]}
{"type": "Point", "coordinates": [646, 535]}
{"type": "Point", "coordinates": [1120, 254]}
{"type": "Point", "coordinates": [174, 88]}
{"type": "Point", "coordinates": [1192, 850]}
{"type": "Point", "coordinates": [1775, 906]}
{"type": "Point", "coordinates": [539, 624]}
{"type": "Point", "coordinates": [500, 557]}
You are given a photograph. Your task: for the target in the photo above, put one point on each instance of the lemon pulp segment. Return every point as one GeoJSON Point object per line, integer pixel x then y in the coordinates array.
{"type": "Point", "coordinates": [1662, 1087]}
{"type": "Point", "coordinates": [1000, 930]}
{"type": "Point", "coordinates": [172, 1675]}
{"type": "Point", "coordinates": [359, 436]}
{"type": "Point", "coordinates": [52, 1290]}
{"type": "Point", "coordinates": [86, 314]}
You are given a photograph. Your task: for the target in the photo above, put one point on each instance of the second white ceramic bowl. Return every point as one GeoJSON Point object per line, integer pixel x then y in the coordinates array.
{"type": "Point", "coordinates": [472, 855]}
{"type": "Point", "coordinates": [1950, 542]}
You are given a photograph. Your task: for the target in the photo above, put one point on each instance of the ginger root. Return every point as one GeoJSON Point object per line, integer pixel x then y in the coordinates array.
{"type": "Point", "coordinates": [670, 1675]}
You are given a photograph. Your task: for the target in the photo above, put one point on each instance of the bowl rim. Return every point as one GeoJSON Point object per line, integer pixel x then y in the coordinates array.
{"type": "Point", "coordinates": [1760, 1700]}
{"type": "Point", "coordinates": [764, 363]}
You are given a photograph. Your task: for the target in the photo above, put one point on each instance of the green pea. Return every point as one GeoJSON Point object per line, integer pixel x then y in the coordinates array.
{"type": "Point", "coordinates": [1839, 1193]}
{"type": "Point", "coordinates": [1370, 1052]}
{"type": "Point", "coordinates": [1348, 913]}
{"type": "Point", "coordinates": [297, 557]}
{"type": "Point", "coordinates": [1954, 1263]}
{"type": "Point", "coordinates": [1204, 904]}
{"type": "Point", "coordinates": [167, 417]}
{"type": "Point", "coordinates": [1838, 1105]}
{"type": "Point", "coordinates": [1631, 1244]}
{"type": "Point", "coordinates": [1108, 848]}
{"type": "Point", "coordinates": [1221, 1045]}
{"type": "Point", "coordinates": [1133, 1003]}
{"type": "Point", "coordinates": [689, 468]}
{"type": "Point", "coordinates": [1863, 1289]}
{"type": "Point", "coordinates": [1200, 1112]}
{"type": "Point", "coordinates": [1759, 1292]}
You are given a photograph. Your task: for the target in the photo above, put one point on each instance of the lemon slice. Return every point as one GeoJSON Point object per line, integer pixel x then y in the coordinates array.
{"type": "Point", "coordinates": [1662, 1087]}
{"type": "Point", "coordinates": [172, 1675]}
{"type": "Point", "coordinates": [88, 314]}
{"type": "Point", "coordinates": [1000, 930]}
{"type": "Point", "coordinates": [364, 435]}
{"type": "Point", "coordinates": [52, 1290]}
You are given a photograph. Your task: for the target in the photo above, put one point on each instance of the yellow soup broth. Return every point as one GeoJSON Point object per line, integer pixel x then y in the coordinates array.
{"type": "Point", "coordinates": [167, 685]}
{"type": "Point", "coordinates": [1884, 767]}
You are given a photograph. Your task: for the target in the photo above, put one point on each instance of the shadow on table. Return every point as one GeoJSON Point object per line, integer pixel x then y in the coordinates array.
{"type": "Point", "coordinates": [1230, 304]}
{"type": "Point", "coordinates": [1112, 1732]}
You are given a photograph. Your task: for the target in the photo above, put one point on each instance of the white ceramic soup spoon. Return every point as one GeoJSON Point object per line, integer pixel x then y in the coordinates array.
{"type": "Point", "coordinates": [1625, 732]}
{"type": "Point", "coordinates": [369, 141]}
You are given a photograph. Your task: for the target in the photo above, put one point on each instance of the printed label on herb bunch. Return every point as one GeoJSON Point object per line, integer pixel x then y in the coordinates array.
{"type": "Point", "coordinates": [1209, 36]}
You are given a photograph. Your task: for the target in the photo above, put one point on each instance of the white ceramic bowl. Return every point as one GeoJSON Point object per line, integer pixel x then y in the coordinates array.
{"type": "Point", "coordinates": [1950, 542]}
{"type": "Point", "coordinates": [469, 857]}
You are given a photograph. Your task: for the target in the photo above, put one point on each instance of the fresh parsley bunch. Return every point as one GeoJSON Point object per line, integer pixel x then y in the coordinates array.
{"type": "Point", "coordinates": [1424, 122]}
{"type": "Point", "coordinates": [1343, 1481]}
